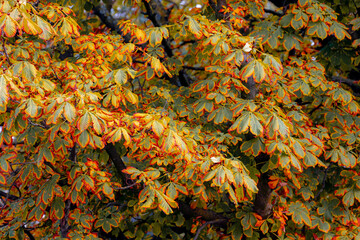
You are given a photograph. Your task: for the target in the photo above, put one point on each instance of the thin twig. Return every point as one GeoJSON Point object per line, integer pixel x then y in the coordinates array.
{"type": "Point", "coordinates": [56, 76]}
{"type": "Point", "coordinates": [6, 54]}
{"type": "Point", "coordinates": [357, 9]}
{"type": "Point", "coordinates": [194, 68]}
{"type": "Point", "coordinates": [205, 224]}
{"type": "Point", "coordinates": [38, 125]}
{"type": "Point", "coordinates": [23, 163]}
{"type": "Point", "coordinates": [104, 88]}
{"type": "Point", "coordinates": [126, 187]}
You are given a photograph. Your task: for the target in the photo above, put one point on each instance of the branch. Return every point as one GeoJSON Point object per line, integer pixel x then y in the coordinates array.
{"type": "Point", "coordinates": [213, 6]}
{"type": "Point", "coordinates": [118, 162]}
{"type": "Point", "coordinates": [184, 79]}
{"type": "Point", "coordinates": [64, 224]}
{"type": "Point", "coordinates": [350, 82]}
{"type": "Point", "coordinates": [151, 15]}
{"type": "Point", "coordinates": [126, 187]}
{"type": "Point", "coordinates": [204, 225]}
{"type": "Point", "coordinates": [6, 54]}
{"type": "Point", "coordinates": [205, 214]}
{"type": "Point", "coordinates": [28, 233]}
{"type": "Point", "coordinates": [9, 196]}
{"type": "Point", "coordinates": [109, 21]}
{"type": "Point", "coordinates": [72, 156]}
{"type": "Point", "coordinates": [262, 203]}
{"type": "Point", "coordinates": [273, 12]}
{"type": "Point", "coordinates": [194, 68]}
{"type": "Point", "coordinates": [217, 8]}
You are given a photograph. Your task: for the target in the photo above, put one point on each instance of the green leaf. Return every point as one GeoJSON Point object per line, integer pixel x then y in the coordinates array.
{"type": "Point", "coordinates": [349, 198]}
{"type": "Point", "coordinates": [339, 30]}
{"type": "Point", "coordinates": [319, 28]}
{"type": "Point", "coordinates": [31, 108]}
{"type": "Point", "coordinates": [247, 120]}
{"type": "Point", "coordinates": [84, 139]}
{"type": "Point", "coordinates": [254, 146]}
{"type": "Point", "coordinates": [4, 164]}
{"type": "Point", "coordinates": [69, 112]}
{"type": "Point", "coordinates": [120, 76]}
{"type": "Point", "coordinates": [84, 122]}
{"type": "Point", "coordinates": [250, 184]}
{"type": "Point", "coordinates": [57, 208]}
{"type": "Point", "coordinates": [300, 214]}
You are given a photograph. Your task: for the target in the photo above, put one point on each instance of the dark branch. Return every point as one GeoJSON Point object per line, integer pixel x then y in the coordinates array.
{"type": "Point", "coordinates": [9, 196]}
{"type": "Point", "coordinates": [6, 54]}
{"type": "Point", "coordinates": [118, 162]}
{"type": "Point", "coordinates": [184, 79]}
{"type": "Point", "coordinates": [350, 82]}
{"type": "Point", "coordinates": [194, 68]}
{"type": "Point", "coordinates": [273, 12]}
{"type": "Point", "coordinates": [28, 233]}
{"type": "Point", "coordinates": [64, 224]}
{"type": "Point", "coordinates": [262, 204]}
{"type": "Point", "coordinates": [323, 181]}
{"type": "Point", "coordinates": [205, 214]}
{"type": "Point", "coordinates": [109, 21]}
{"type": "Point", "coordinates": [151, 14]}
{"type": "Point", "coordinates": [204, 225]}
{"type": "Point", "coordinates": [126, 187]}
{"type": "Point", "coordinates": [217, 8]}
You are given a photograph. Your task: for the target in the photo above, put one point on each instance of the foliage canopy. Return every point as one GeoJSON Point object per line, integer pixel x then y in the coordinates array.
{"type": "Point", "coordinates": [182, 119]}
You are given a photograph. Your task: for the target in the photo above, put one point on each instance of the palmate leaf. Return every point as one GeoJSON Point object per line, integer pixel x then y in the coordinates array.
{"type": "Point", "coordinates": [31, 108]}
{"type": "Point", "coordinates": [155, 37]}
{"type": "Point", "coordinates": [323, 225]}
{"type": "Point", "coordinates": [57, 208]}
{"type": "Point", "coordinates": [286, 159]}
{"type": "Point", "coordinates": [221, 115]}
{"type": "Point", "coordinates": [274, 62]}
{"type": "Point", "coordinates": [277, 126]}
{"type": "Point", "coordinates": [84, 139]}
{"type": "Point", "coordinates": [29, 26]}
{"type": "Point", "coordinates": [291, 41]}
{"type": "Point", "coordinates": [319, 28]}
{"type": "Point", "coordinates": [69, 112]}
{"type": "Point", "coordinates": [8, 25]}
{"type": "Point", "coordinates": [255, 68]}
{"type": "Point", "coordinates": [254, 146]}
{"type": "Point", "coordinates": [84, 121]}
{"type": "Point", "coordinates": [46, 28]}
{"type": "Point", "coordinates": [194, 27]}
{"type": "Point", "coordinates": [339, 30]}
{"type": "Point", "coordinates": [341, 94]}
{"type": "Point", "coordinates": [107, 224]}
{"type": "Point", "coordinates": [25, 69]}
{"type": "Point", "coordinates": [165, 203]}
{"type": "Point", "coordinates": [246, 121]}
{"type": "Point", "coordinates": [299, 213]}
{"type": "Point", "coordinates": [47, 192]}
{"type": "Point", "coordinates": [250, 184]}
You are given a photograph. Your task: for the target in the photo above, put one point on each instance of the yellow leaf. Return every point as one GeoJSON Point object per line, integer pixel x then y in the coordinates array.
{"type": "Point", "coordinates": [30, 27]}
